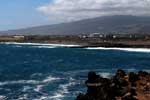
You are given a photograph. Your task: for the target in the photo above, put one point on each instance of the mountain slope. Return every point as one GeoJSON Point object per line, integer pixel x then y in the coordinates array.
{"type": "Point", "coordinates": [106, 24]}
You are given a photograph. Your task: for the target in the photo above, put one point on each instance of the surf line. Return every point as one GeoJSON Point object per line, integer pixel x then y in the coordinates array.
{"type": "Point", "coordinates": [147, 50]}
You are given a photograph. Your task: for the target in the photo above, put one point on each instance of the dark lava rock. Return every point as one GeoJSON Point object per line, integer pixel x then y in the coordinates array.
{"type": "Point", "coordinates": [120, 86]}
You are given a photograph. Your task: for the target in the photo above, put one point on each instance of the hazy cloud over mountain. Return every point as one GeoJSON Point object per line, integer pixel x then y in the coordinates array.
{"type": "Point", "coordinates": [68, 10]}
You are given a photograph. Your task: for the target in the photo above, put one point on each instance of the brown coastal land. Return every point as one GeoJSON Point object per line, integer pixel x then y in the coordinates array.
{"type": "Point", "coordinates": [122, 86]}
{"type": "Point", "coordinates": [91, 40]}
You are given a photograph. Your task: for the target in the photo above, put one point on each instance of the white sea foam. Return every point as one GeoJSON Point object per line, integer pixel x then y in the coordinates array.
{"type": "Point", "coordinates": [26, 88]}
{"type": "Point", "coordinates": [62, 90]}
{"type": "Point", "coordinates": [38, 88]}
{"type": "Point", "coordinates": [43, 45]}
{"type": "Point", "coordinates": [64, 45]}
{"type": "Point", "coordinates": [147, 50]}
{"type": "Point", "coordinates": [50, 79]}
{"type": "Point", "coordinates": [19, 82]}
{"type": "Point", "coordinates": [105, 74]}
{"type": "Point", "coordinates": [2, 97]}
{"type": "Point", "coordinates": [57, 96]}
{"type": "Point", "coordinates": [46, 80]}
{"type": "Point", "coordinates": [36, 74]}
{"type": "Point", "coordinates": [24, 97]}
{"type": "Point", "coordinates": [147, 70]}
{"type": "Point", "coordinates": [41, 98]}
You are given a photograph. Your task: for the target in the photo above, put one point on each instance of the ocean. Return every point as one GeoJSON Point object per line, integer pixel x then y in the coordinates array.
{"type": "Point", "coordinates": [32, 71]}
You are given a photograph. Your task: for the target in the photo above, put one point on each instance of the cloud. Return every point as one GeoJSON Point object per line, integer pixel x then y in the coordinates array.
{"type": "Point", "coordinates": [68, 10]}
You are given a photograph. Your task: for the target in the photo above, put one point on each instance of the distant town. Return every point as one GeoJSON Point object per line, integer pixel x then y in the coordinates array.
{"type": "Point", "coordinates": [86, 40]}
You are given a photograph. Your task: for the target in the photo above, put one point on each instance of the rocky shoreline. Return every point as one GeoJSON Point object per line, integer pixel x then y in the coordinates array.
{"type": "Point", "coordinates": [82, 42]}
{"type": "Point", "coordinates": [122, 86]}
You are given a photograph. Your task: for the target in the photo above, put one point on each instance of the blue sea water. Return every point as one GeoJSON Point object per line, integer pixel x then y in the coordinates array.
{"type": "Point", "coordinates": [37, 72]}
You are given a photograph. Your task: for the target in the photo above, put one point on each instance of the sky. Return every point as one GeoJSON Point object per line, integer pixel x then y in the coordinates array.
{"type": "Point", "coordinates": [15, 14]}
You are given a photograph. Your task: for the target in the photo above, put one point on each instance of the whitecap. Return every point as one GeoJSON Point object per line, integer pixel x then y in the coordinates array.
{"type": "Point", "coordinates": [64, 45]}
{"type": "Point", "coordinates": [41, 98]}
{"type": "Point", "coordinates": [38, 88]}
{"type": "Point", "coordinates": [2, 97]}
{"type": "Point", "coordinates": [147, 50]}
{"type": "Point", "coordinates": [62, 91]}
{"type": "Point", "coordinates": [46, 80]}
{"type": "Point", "coordinates": [26, 88]}
{"type": "Point", "coordinates": [36, 74]}
{"type": "Point", "coordinates": [17, 43]}
{"type": "Point", "coordinates": [57, 96]}
{"type": "Point", "coordinates": [105, 74]}
{"type": "Point", "coordinates": [19, 82]}
{"type": "Point", "coordinates": [42, 44]}
{"type": "Point", "coordinates": [54, 97]}
{"type": "Point", "coordinates": [64, 87]}
{"type": "Point", "coordinates": [24, 97]}
{"type": "Point", "coordinates": [50, 78]}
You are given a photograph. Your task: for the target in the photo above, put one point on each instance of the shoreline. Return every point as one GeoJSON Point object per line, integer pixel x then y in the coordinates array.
{"type": "Point", "coordinates": [48, 45]}
{"type": "Point", "coordinates": [109, 41]}
{"type": "Point", "coordinates": [81, 45]}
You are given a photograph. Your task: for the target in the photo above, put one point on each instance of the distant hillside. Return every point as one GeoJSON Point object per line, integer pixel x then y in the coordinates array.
{"type": "Point", "coordinates": [106, 24]}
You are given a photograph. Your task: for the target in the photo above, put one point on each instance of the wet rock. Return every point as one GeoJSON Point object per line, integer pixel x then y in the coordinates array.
{"type": "Point", "coordinates": [142, 74]}
{"type": "Point", "coordinates": [98, 88]}
{"type": "Point", "coordinates": [133, 77]}
{"type": "Point", "coordinates": [120, 87]}
{"type": "Point", "coordinates": [120, 73]}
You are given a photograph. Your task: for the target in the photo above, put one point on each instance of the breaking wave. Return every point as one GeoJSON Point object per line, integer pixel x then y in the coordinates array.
{"type": "Point", "coordinates": [2, 97]}
{"type": "Point", "coordinates": [147, 50]}
{"type": "Point", "coordinates": [42, 45]}
{"type": "Point", "coordinates": [46, 80]}
{"type": "Point", "coordinates": [105, 74]}
{"type": "Point", "coordinates": [63, 90]}
{"type": "Point", "coordinates": [58, 94]}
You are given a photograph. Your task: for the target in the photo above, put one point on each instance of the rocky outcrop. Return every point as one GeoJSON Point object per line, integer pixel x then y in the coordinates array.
{"type": "Point", "coordinates": [122, 86]}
